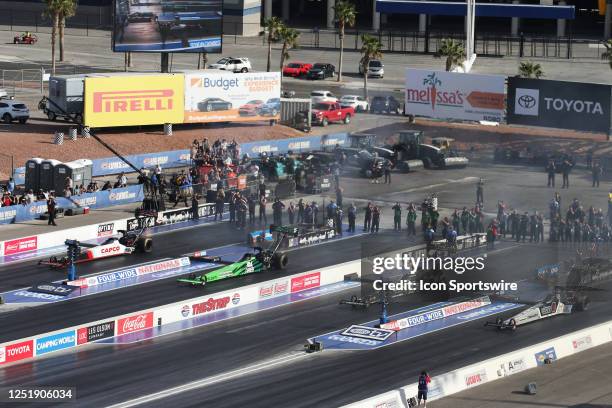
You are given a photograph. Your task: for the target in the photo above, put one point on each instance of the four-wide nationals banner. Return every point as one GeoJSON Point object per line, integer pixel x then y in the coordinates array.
{"type": "Point", "coordinates": [168, 26]}
{"type": "Point", "coordinates": [133, 100]}
{"type": "Point", "coordinates": [452, 95]}
{"type": "Point", "coordinates": [217, 96]}
{"type": "Point", "coordinates": [559, 104]}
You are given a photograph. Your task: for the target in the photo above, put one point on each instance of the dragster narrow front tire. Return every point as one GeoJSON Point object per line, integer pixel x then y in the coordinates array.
{"type": "Point", "coordinates": [280, 260]}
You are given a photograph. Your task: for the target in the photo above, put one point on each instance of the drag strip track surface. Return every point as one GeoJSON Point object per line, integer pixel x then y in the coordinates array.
{"type": "Point", "coordinates": [30, 321]}
{"type": "Point", "coordinates": [106, 375]}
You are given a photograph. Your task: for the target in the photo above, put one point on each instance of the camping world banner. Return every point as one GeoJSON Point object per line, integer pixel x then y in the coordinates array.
{"type": "Point", "coordinates": [452, 95]}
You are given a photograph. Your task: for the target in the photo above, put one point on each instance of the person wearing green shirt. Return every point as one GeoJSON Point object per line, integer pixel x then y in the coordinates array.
{"type": "Point", "coordinates": [411, 220]}
{"type": "Point", "coordinates": [397, 217]}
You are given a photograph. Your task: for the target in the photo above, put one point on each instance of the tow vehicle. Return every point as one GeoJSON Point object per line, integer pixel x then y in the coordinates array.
{"type": "Point", "coordinates": [260, 260]}
{"type": "Point", "coordinates": [564, 301]}
{"type": "Point", "coordinates": [128, 243]}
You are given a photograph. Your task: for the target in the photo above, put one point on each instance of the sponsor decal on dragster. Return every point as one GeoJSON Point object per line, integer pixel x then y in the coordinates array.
{"type": "Point", "coordinates": [541, 356]}
{"type": "Point", "coordinates": [366, 332]}
{"type": "Point", "coordinates": [135, 323]}
{"type": "Point", "coordinates": [476, 378]}
{"type": "Point", "coordinates": [20, 245]}
{"type": "Point", "coordinates": [55, 342]}
{"type": "Point", "coordinates": [17, 351]}
{"type": "Point", "coordinates": [436, 314]}
{"type": "Point", "coordinates": [96, 332]}
{"type": "Point", "coordinates": [132, 272]}
{"type": "Point", "coordinates": [308, 281]}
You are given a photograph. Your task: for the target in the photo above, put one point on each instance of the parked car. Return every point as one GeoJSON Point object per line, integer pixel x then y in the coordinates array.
{"type": "Point", "coordinates": [321, 71]}
{"type": "Point", "coordinates": [359, 103]}
{"type": "Point", "coordinates": [214, 104]}
{"type": "Point", "coordinates": [322, 96]}
{"type": "Point", "coordinates": [232, 64]}
{"type": "Point", "coordinates": [11, 110]}
{"type": "Point", "coordinates": [251, 108]}
{"type": "Point", "coordinates": [296, 69]}
{"type": "Point", "coordinates": [385, 104]}
{"type": "Point", "coordinates": [324, 113]}
{"type": "Point", "coordinates": [375, 69]}
{"type": "Point", "coordinates": [271, 107]}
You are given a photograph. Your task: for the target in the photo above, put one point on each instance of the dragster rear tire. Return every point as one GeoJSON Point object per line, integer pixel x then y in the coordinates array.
{"type": "Point", "coordinates": [280, 260]}
{"type": "Point", "coordinates": [144, 245]}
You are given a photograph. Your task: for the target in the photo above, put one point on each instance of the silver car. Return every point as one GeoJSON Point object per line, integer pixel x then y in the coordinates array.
{"type": "Point", "coordinates": [376, 69]}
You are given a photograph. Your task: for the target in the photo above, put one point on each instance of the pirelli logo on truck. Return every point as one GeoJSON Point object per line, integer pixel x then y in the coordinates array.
{"type": "Point", "coordinates": [129, 100]}
{"type": "Point", "coordinates": [133, 101]}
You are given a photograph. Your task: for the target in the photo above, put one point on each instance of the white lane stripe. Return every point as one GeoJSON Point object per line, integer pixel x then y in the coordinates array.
{"type": "Point", "coordinates": [205, 382]}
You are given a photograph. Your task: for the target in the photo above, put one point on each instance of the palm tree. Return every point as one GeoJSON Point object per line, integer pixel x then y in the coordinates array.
{"type": "Point", "coordinates": [370, 49]}
{"type": "Point", "coordinates": [272, 24]}
{"type": "Point", "coordinates": [289, 37]}
{"type": "Point", "coordinates": [528, 69]}
{"type": "Point", "coordinates": [453, 51]}
{"type": "Point", "coordinates": [607, 55]}
{"type": "Point", "coordinates": [345, 15]}
{"type": "Point", "coordinates": [53, 10]}
{"type": "Point", "coordinates": [67, 9]}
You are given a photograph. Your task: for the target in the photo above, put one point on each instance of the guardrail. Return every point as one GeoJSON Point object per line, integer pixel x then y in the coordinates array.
{"type": "Point", "coordinates": [35, 346]}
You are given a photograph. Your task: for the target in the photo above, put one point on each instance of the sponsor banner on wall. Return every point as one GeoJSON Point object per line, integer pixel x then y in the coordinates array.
{"type": "Point", "coordinates": [453, 95]}
{"type": "Point", "coordinates": [133, 100]}
{"type": "Point", "coordinates": [96, 332]}
{"type": "Point", "coordinates": [548, 354]}
{"type": "Point", "coordinates": [55, 342]}
{"type": "Point", "coordinates": [308, 281]}
{"type": "Point", "coordinates": [476, 378]}
{"type": "Point", "coordinates": [20, 245]}
{"type": "Point", "coordinates": [559, 104]}
{"type": "Point", "coordinates": [311, 238]}
{"type": "Point", "coordinates": [220, 96]}
{"type": "Point", "coordinates": [17, 351]}
{"type": "Point", "coordinates": [170, 217]}
{"type": "Point", "coordinates": [135, 323]}
{"type": "Point", "coordinates": [298, 144]}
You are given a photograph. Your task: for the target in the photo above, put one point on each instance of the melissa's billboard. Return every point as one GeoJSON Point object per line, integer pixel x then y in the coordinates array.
{"type": "Point", "coordinates": [452, 95]}
{"type": "Point", "coordinates": [217, 96]}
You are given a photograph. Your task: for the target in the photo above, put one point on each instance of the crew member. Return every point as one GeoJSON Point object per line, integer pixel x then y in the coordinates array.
{"type": "Point", "coordinates": [262, 209]}
{"type": "Point", "coordinates": [339, 217]}
{"type": "Point", "coordinates": [596, 171]}
{"type": "Point", "coordinates": [291, 213]}
{"type": "Point", "coordinates": [387, 173]}
{"type": "Point", "coordinates": [251, 204]}
{"type": "Point", "coordinates": [480, 192]}
{"type": "Point", "coordinates": [397, 217]}
{"type": "Point", "coordinates": [277, 212]}
{"type": "Point", "coordinates": [219, 205]}
{"type": "Point", "coordinates": [375, 219]}
{"type": "Point", "coordinates": [195, 207]}
{"type": "Point", "coordinates": [551, 169]}
{"type": "Point", "coordinates": [232, 207]}
{"type": "Point", "coordinates": [352, 214]}
{"type": "Point", "coordinates": [566, 167]}
{"type": "Point", "coordinates": [367, 220]}
{"type": "Point", "coordinates": [300, 214]}
{"type": "Point", "coordinates": [51, 209]}
{"type": "Point", "coordinates": [423, 385]}
{"type": "Point", "coordinates": [411, 220]}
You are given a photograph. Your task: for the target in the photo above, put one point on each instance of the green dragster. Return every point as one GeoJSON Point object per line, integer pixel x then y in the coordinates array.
{"type": "Point", "coordinates": [258, 261]}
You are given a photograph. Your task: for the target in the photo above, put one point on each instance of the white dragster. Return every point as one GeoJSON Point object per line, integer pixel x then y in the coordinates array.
{"type": "Point", "coordinates": [553, 305]}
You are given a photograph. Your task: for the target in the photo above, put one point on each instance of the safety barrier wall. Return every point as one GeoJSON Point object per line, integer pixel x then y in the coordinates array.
{"type": "Point", "coordinates": [100, 199]}
{"type": "Point", "coordinates": [495, 368]}
{"type": "Point", "coordinates": [298, 144]}
{"type": "Point", "coordinates": [42, 344]}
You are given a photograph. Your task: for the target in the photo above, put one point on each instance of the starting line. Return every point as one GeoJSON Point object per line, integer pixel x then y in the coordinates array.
{"type": "Point", "coordinates": [337, 341]}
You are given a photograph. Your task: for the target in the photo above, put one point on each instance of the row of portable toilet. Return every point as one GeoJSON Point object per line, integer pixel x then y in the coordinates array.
{"type": "Point", "coordinates": [50, 175]}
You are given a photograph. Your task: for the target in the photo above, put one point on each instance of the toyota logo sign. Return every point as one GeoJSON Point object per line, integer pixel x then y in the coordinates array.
{"type": "Point", "coordinates": [527, 101]}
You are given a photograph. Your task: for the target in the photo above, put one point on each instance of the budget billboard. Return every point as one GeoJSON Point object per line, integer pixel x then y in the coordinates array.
{"type": "Point", "coordinates": [216, 96]}
{"type": "Point", "coordinates": [452, 95]}
{"type": "Point", "coordinates": [168, 26]}
{"type": "Point", "coordinates": [559, 104]}
{"type": "Point", "coordinates": [133, 100]}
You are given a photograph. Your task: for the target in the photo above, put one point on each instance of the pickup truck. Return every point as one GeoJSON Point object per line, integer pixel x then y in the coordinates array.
{"type": "Point", "coordinates": [325, 112]}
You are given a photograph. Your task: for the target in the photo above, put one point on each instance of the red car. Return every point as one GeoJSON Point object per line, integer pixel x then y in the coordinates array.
{"type": "Point", "coordinates": [324, 113]}
{"type": "Point", "coordinates": [296, 69]}
{"type": "Point", "coordinates": [251, 108]}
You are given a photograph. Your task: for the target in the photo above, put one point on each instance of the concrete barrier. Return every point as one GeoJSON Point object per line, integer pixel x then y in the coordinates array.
{"type": "Point", "coordinates": [497, 367]}
{"type": "Point", "coordinates": [34, 346]}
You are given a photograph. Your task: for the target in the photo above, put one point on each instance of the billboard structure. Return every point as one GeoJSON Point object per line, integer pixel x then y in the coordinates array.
{"type": "Point", "coordinates": [133, 100]}
{"type": "Point", "coordinates": [559, 104]}
{"type": "Point", "coordinates": [168, 26]}
{"type": "Point", "coordinates": [216, 96]}
{"type": "Point", "coordinates": [452, 95]}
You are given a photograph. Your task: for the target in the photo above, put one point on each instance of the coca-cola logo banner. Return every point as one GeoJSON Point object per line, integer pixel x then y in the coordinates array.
{"type": "Point", "coordinates": [135, 323]}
